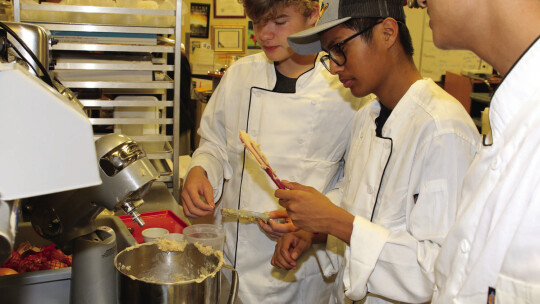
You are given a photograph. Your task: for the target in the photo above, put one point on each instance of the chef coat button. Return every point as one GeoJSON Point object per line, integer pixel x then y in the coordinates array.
{"type": "Point", "coordinates": [387, 145]}
{"type": "Point", "coordinates": [300, 141]}
{"type": "Point", "coordinates": [465, 246]}
{"type": "Point", "coordinates": [313, 102]}
{"type": "Point", "coordinates": [370, 190]}
{"type": "Point", "coordinates": [254, 133]}
{"type": "Point", "coordinates": [257, 94]}
{"type": "Point", "coordinates": [495, 164]}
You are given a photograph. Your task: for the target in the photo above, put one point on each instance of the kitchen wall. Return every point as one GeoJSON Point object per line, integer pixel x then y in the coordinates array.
{"type": "Point", "coordinates": [431, 61]}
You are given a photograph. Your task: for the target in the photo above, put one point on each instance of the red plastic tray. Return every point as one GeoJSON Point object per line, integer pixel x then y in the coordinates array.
{"type": "Point", "coordinates": [159, 219]}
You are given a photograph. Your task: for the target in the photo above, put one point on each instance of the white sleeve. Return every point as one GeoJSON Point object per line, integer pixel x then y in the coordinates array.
{"type": "Point", "coordinates": [212, 151]}
{"type": "Point", "coordinates": [367, 241]}
{"type": "Point", "coordinates": [399, 264]}
{"type": "Point", "coordinates": [330, 257]}
{"type": "Point", "coordinates": [213, 169]}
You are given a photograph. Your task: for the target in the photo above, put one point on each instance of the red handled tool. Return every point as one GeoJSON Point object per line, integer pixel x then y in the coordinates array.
{"type": "Point", "coordinates": [255, 151]}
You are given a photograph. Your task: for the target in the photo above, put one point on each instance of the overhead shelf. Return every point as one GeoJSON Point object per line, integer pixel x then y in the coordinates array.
{"type": "Point", "coordinates": [95, 9]}
{"type": "Point", "coordinates": [107, 28]}
{"type": "Point", "coordinates": [113, 67]}
{"type": "Point", "coordinates": [130, 121]}
{"type": "Point", "coordinates": [69, 46]}
{"type": "Point", "coordinates": [124, 103]}
{"type": "Point", "coordinates": [120, 84]}
{"type": "Point", "coordinates": [143, 138]}
{"type": "Point", "coordinates": [141, 72]}
{"type": "Point", "coordinates": [159, 155]}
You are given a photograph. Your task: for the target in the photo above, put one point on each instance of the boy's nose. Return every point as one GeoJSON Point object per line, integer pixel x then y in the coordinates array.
{"type": "Point", "coordinates": [266, 33]}
{"type": "Point", "coordinates": [334, 67]}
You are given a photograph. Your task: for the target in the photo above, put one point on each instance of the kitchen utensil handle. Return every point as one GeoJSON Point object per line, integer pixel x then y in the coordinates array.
{"type": "Point", "coordinates": [253, 148]}
{"type": "Point", "coordinates": [274, 178]}
{"type": "Point", "coordinates": [234, 284]}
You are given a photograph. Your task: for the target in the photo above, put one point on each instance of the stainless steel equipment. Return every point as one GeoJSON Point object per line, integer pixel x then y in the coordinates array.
{"type": "Point", "coordinates": [9, 212]}
{"type": "Point", "coordinates": [52, 151]}
{"type": "Point", "coordinates": [38, 39]}
{"type": "Point", "coordinates": [149, 275]}
{"type": "Point", "coordinates": [93, 277]}
{"type": "Point", "coordinates": [47, 145]}
{"type": "Point", "coordinates": [127, 175]}
{"type": "Point", "coordinates": [123, 164]}
{"type": "Point", "coordinates": [47, 163]}
{"type": "Point", "coordinates": [68, 218]}
{"type": "Point", "coordinates": [39, 42]}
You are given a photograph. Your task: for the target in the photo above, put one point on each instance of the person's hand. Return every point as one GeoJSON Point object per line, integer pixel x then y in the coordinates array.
{"type": "Point", "coordinates": [290, 247]}
{"type": "Point", "coordinates": [308, 209]}
{"type": "Point", "coordinates": [197, 195]}
{"type": "Point", "coordinates": [275, 229]}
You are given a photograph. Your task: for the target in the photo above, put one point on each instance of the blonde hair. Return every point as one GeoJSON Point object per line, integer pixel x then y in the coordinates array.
{"type": "Point", "coordinates": [264, 10]}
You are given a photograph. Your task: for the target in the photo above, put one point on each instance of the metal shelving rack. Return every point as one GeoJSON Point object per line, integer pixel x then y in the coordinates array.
{"type": "Point", "coordinates": [154, 87]}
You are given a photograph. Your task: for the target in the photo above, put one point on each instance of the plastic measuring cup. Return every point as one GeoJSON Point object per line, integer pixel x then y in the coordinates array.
{"type": "Point", "coordinates": [177, 237]}
{"type": "Point", "coordinates": [206, 234]}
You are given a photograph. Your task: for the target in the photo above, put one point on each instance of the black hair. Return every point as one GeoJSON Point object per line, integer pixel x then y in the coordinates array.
{"type": "Point", "coordinates": [359, 24]}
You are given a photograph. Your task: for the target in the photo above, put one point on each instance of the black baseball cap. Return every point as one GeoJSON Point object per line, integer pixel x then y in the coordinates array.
{"type": "Point", "coordinates": [335, 12]}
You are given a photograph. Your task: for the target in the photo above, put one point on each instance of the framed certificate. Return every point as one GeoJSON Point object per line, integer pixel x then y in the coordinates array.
{"type": "Point", "coordinates": [228, 38]}
{"type": "Point", "coordinates": [228, 9]}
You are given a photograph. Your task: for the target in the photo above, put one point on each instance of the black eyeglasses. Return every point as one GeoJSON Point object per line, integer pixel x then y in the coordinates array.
{"type": "Point", "coordinates": [336, 52]}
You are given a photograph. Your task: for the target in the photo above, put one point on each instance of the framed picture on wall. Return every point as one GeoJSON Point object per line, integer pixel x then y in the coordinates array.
{"type": "Point", "coordinates": [228, 9]}
{"type": "Point", "coordinates": [199, 20]}
{"type": "Point", "coordinates": [252, 43]}
{"type": "Point", "coordinates": [228, 38]}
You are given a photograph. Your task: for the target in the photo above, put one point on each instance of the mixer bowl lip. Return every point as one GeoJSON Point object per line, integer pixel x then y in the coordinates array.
{"type": "Point", "coordinates": [218, 267]}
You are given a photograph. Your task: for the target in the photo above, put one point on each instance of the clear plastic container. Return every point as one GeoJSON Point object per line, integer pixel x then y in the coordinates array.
{"type": "Point", "coordinates": [176, 237]}
{"type": "Point", "coordinates": [206, 234]}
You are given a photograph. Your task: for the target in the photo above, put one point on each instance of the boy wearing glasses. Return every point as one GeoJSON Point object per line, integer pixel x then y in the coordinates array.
{"type": "Point", "coordinates": [409, 151]}
{"type": "Point", "coordinates": [301, 116]}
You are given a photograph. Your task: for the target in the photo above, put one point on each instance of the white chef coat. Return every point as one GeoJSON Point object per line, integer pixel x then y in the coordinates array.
{"type": "Point", "coordinates": [304, 136]}
{"type": "Point", "coordinates": [495, 241]}
{"type": "Point", "coordinates": [403, 190]}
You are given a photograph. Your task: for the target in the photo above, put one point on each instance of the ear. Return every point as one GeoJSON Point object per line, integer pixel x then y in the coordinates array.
{"type": "Point", "coordinates": [390, 32]}
{"type": "Point", "coordinates": [314, 16]}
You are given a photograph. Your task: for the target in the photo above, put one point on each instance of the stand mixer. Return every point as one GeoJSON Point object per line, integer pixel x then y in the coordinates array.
{"type": "Point", "coordinates": [127, 175]}
{"type": "Point", "coordinates": [39, 129]}
{"type": "Point", "coordinates": [68, 218]}
{"type": "Point", "coordinates": [53, 167]}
